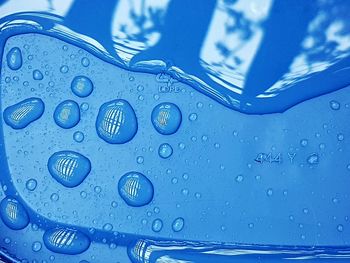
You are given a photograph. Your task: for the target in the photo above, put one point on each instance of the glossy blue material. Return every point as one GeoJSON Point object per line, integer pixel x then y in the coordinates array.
{"type": "Point", "coordinates": [231, 113]}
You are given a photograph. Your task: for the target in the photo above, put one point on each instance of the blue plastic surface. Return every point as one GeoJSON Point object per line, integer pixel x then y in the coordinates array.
{"type": "Point", "coordinates": [158, 131]}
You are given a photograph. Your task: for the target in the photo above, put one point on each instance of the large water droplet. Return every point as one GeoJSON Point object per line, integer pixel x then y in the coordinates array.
{"type": "Point", "coordinates": [67, 114]}
{"type": "Point", "coordinates": [135, 189]}
{"type": "Point", "coordinates": [66, 241]}
{"type": "Point", "coordinates": [13, 213]}
{"type": "Point", "coordinates": [69, 168]}
{"type": "Point", "coordinates": [178, 224]}
{"type": "Point", "coordinates": [116, 122]}
{"type": "Point", "coordinates": [166, 118]}
{"type": "Point", "coordinates": [165, 150]}
{"type": "Point", "coordinates": [82, 86]}
{"type": "Point", "coordinates": [14, 58]}
{"type": "Point", "coordinates": [20, 115]}
{"type": "Point", "coordinates": [37, 75]}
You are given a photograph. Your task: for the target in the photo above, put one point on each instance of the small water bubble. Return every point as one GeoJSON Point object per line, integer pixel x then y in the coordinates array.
{"type": "Point", "coordinates": [251, 225]}
{"type": "Point", "coordinates": [37, 75]}
{"type": "Point", "coordinates": [198, 195]}
{"type": "Point", "coordinates": [85, 62]}
{"type": "Point", "coordinates": [305, 211]}
{"type": "Point", "coordinates": [340, 228]}
{"type": "Point", "coordinates": [184, 191]}
{"type": "Point", "coordinates": [313, 159]}
{"type": "Point", "coordinates": [97, 189]}
{"type": "Point", "coordinates": [166, 118]}
{"type": "Point", "coordinates": [340, 137]}
{"type": "Point", "coordinates": [239, 178]}
{"type": "Point", "coordinates": [25, 83]}
{"type": "Point", "coordinates": [141, 98]}
{"type": "Point", "coordinates": [82, 86]}
{"type": "Point", "coordinates": [54, 197]}
{"type": "Point", "coordinates": [131, 78]}
{"type": "Point", "coordinates": [107, 227]}
{"type": "Point", "coordinates": [84, 106]}
{"type": "Point", "coordinates": [114, 204]}
{"type": "Point", "coordinates": [303, 142]}
{"type": "Point", "coordinates": [269, 192]}
{"type": "Point", "coordinates": [64, 69]}
{"type": "Point", "coordinates": [78, 136]}
{"type": "Point", "coordinates": [178, 224]}
{"type": "Point", "coordinates": [182, 145]}
{"type": "Point", "coordinates": [83, 194]}
{"type": "Point", "coordinates": [65, 48]}
{"type": "Point", "coordinates": [31, 184]}
{"type": "Point", "coordinates": [165, 150]}
{"type": "Point", "coordinates": [139, 159]}
{"type": "Point", "coordinates": [157, 225]}
{"type": "Point", "coordinates": [185, 176]}
{"type": "Point", "coordinates": [112, 246]}
{"type": "Point", "coordinates": [193, 117]}
{"type": "Point", "coordinates": [7, 79]}
{"type": "Point", "coordinates": [7, 240]}
{"type": "Point", "coordinates": [204, 138]}
{"type": "Point", "coordinates": [199, 105]}
{"type": "Point", "coordinates": [174, 180]}
{"type": "Point", "coordinates": [140, 88]}
{"type": "Point", "coordinates": [36, 246]}
{"type": "Point", "coordinates": [335, 105]}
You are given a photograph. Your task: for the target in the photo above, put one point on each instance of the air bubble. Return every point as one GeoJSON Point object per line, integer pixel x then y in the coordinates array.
{"type": "Point", "coordinates": [23, 113]}
{"type": "Point", "coordinates": [135, 189]}
{"type": "Point", "coordinates": [166, 118]}
{"type": "Point", "coordinates": [82, 86]}
{"type": "Point", "coordinates": [165, 150]}
{"type": "Point", "coordinates": [78, 136]}
{"type": "Point", "coordinates": [178, 224]}
{"type": "Point", "coordinates": [69, 168]}
{"type": "Point", "coordinates": [67, 114]}
{"type": "Point", "coordinates": [157, 225]}
{"type": "Point", "coordinates": [116, 122]}
{"type": "Point", "coordinates": [31, 184]}
{"type": "Point", "coordinates": [37, 75]}
{"type": "Point", "coordinates": [14, 58]}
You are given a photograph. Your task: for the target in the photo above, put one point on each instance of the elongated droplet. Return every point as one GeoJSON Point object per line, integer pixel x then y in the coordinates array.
{"type": "Point", "coordinates": [14, 58]}
{"type": "Point", "coordinates": [116, 122]}
{"type": "Point", "coordinates": [82, 86]}
{"type": "Point", "coordinates": [67, 114]}
{"type": "Point", "coordinates": [178, 224]}
{"type": "Point", "coordinates": [166, 118]}
{"type": "Point", "coordinates": [20, 115]}
{"type": "Point", "coordinates": [66, 241]}
{"type": "Point", "coordinates": [69, 168]}
{"type": "Point", "coordinates": [13, 213]}
{"type": "Point", "coordinates": [135, 189]}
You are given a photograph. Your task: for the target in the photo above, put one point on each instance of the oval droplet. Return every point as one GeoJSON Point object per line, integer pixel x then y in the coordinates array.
{"type": "Point", "coordinates": [313, 159]}
{"type": "Point", "coordinates": [69, 168]}
{"type": "Point", "coordinates": [13, 213]}
{"type": "Point", "coordinates": [23, 113]}
{"type": "Point", "coordinates": [14, 58]}
{"type": "Point", "coordinates": [178, 224]}
{"type": "Point", "coordinates": [116, 122]}
{"type": "Point", "coordinates": [135, 189]}
{"type": "Point", "coordinates": [82, 86]}
{"type": "Point", "coordinates": [165, 150]}
{"type": "Point", "coordinates": [157, 225]}
{"type": "Point", "coordinates": [37, 75]}
{"type": "Point", "coordinates": [31, 184]}
{"type": "Point", "coordinates": [67, 114]}
{"type": "Point", "coordinates": [66, 241]}
{"type": "Point", "coordinates": [166, 118]}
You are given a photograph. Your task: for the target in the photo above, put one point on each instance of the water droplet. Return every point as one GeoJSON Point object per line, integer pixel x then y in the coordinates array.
{"type": "Point", "coordinates": [135, 189]}
{"type": "Point", "coordinates": [82, 86]}
{"type": "Point", "coordinates": [85, 62]}
{"type": "Point", "coordinates": [251, 225]}
{"type": "Point", "coordinates": [166, 118]}
{"type": "Point", "coordinates": [36, 246]}
{"type": "Point", "coordinates": [69, 168]}
{"type": "Point", "coordinates": [174, 180]}
{"type": "Point", "coordinates": [66, 241]}
{"type": "Point", "coordinates": [165, 150]}
{"type": "Point", "coordinates": [78, 136]}
{"type": "Point", "coordinates": [13, 213]}
{"type": "Point", "coordinates": [335, 105]}
{"type": "Point", "coordinates": [97, 189]}
{"type": "Point", "coordinates": [303, 142]}
{"type": "Point", "coordinates": [140, 88]}
{"type": "Point", "coordinates": [199, 105]}
{"type": "Point", "coordinates": [340, 228]}
{"type": "Point", "coordinates": [269, 192]}
{"type": "Point", "coordinates": [185, 176]}
{"type": "Point", "coordinates": [64, 69]}
{"type": "Point", "coordinates": [139, 159]}
{"type": "Point", "coordinates": [340, 137]}
{"type": "Point", "coordinates": [67, 114]}
{"type": "Point", "coordinates": [83, 194]}
{"type": "Point", "coordinates": [7, 240]}
{"type": "Point", "coordinates": [84, 106]}
{"type": "Point", "coordinates": [178, 224]}
{"type": "Point", "coordinates": [184, 191]}
{"type": "Point", "coordinates": [313, 159]}
{"type": "Point", "coordinates": [37, 75]}
{"type": "Point", "coordinates": [23, 113]}
{"type": "Point", "coordinates": [157, 225]}
{"type": "Point", "coordinates": [116, 122]}
{"type": "Point", "coordinates": [64, 47]}
{"type": "Point", "coordinates": [14, 58]}
{"type": "Point", "coordinates": [31, 184]}
{"type": "Point", "coordinates": [107, 227]}
{"type": "Point", "coordinates": [239, 178]}
{"type": "Point", "coordinates": [182, 145]}
{"type": "Point", "coordinates": [54, 197]}
{"type": "Point", "coordinates": [114, 204]}
{"type": "Point", "coordinates": [192, 117]}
